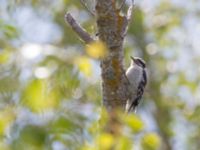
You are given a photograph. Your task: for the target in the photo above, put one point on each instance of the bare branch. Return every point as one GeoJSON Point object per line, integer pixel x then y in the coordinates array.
{"type": "Point", "coordinates": [87, 8]}
{"type": "Point", "coordinates": [78, 29]}
{"type": "Point", "coordinates": [130, 10]}
{"type": "Point", "coordinates": [122, 4]}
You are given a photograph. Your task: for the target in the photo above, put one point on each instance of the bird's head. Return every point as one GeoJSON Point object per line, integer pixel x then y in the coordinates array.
{"type": "Point", "coordinates": [138, 61]}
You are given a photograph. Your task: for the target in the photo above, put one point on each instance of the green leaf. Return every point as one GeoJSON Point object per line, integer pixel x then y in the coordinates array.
{"type": "Point", "coordinates": [38, 97]}
{"type": "Point", "coordinates": [31, 137]}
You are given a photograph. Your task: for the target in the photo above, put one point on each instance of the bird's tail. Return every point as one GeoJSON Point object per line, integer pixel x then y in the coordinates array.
{"type": "Point", "coordinates": [132, 109]}
{"type": "Point", "coordinates": [133, 105]}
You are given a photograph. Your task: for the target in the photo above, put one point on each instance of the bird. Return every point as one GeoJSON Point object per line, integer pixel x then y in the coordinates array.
{"type": "Point", "coordinates": [137, 78]}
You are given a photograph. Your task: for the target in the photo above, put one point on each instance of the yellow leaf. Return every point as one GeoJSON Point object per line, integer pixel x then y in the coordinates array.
{"type": "Point", "coordinates": [134, 123]}
{"type": "Point", "coordinates": [97, 50]}
{"type": "Point", "coordinates": [105, 141]}
{"type": "Point", "coordinates": [84, 65]}
{"type": "Point", "coordinates": [151, 141]}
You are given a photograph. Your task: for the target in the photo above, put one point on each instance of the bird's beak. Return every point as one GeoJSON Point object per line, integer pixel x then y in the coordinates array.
{"type": "Point", "coordinates": [132, 58]}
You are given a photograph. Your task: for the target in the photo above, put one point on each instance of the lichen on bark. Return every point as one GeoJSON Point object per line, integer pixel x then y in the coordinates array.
{"type": "Point", "coordinates": [112, 30]}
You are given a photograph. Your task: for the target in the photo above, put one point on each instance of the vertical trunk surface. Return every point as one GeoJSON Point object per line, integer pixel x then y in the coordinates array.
{"type": "Point", "coordinates": [112, 28]}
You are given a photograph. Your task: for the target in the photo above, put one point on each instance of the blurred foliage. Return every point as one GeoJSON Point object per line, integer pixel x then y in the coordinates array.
{"type": "Point", "coordinates": [150, 141]}
{"type": "Point", "coordinates": [96, 50]}
{"type": "Point", "coordinates": [134, 123]}
{"type": "Point", "coordinates": [84, 65]}
{"type": "Point", "coordinates": [37, 96]}
{"type": "Point", "coordinates": [6, 121]}
{"type": "Point", "coordinates": [50, 93]}
{"type": "Point", "coordinates": [34, 137]}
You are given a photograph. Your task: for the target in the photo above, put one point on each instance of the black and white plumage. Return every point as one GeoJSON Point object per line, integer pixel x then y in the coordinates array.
{"type": "Point", "coordinates": [136, 74]}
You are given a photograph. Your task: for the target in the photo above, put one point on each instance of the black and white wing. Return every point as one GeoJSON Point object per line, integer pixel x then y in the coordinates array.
{"type": "Point", "coordinates": [140, 91]}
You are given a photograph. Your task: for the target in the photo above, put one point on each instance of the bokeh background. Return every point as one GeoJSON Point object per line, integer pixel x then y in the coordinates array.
{"type": "Point", "coordinates": [50, 87]}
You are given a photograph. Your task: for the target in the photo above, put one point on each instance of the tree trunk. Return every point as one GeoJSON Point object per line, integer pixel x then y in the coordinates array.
{"type": "Point", "coordinates": [112, 29]}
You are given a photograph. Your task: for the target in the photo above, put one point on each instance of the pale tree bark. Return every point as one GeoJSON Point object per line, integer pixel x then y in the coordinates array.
{"type": "Point", "coordinates": [78, 29]}
{"type": "Point", "coordinates": [112, 28]}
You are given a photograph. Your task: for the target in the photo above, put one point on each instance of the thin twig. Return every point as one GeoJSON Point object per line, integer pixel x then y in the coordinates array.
{"type": "Point", "coordinates": [130, 10]}
{"type": "Point", "coordinates": [128, 18]}
{"type": "Point", "coordinates": [78, 29]}
{"type": "Point", "coordinates": [122, 4]}
{"type": "Point", "coordinates": [87, 8]}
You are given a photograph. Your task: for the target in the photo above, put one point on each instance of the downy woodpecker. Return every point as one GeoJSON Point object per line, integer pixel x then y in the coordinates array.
{"type": "Point", "coordinates": [137, 77]}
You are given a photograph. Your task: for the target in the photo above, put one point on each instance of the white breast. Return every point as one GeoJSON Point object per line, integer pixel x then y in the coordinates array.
{"type": "Point", "coordinates": [134, 75]}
